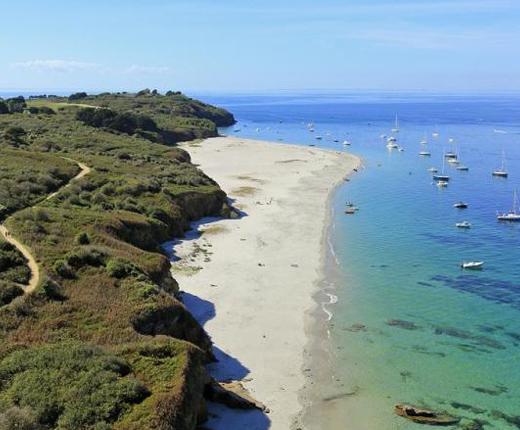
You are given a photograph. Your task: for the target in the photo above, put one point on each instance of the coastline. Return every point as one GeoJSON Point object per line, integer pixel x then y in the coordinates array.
{"type": "Point", "coordinates": [252, 281]}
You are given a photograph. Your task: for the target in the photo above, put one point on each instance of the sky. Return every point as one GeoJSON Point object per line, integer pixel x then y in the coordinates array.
{"type": "Point", "coordinates": [268, 45]}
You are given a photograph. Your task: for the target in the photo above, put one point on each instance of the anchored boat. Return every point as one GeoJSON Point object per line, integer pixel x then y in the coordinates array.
{"type": "Point", "coordinates": [472, 265]}
{"type": "Point", "coordinates": [513, 215]}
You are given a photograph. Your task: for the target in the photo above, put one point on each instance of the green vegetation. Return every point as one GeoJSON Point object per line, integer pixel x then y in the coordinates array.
{"type": "Point", "coordinates": [103, 341]}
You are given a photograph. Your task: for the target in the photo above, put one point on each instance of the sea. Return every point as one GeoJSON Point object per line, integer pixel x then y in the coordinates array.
{"type": "Point", "coordinates": [404, 323]}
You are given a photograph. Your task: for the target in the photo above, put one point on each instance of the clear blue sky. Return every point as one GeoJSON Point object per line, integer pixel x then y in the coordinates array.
{"type": "Point", "coordinates": [223, 45]}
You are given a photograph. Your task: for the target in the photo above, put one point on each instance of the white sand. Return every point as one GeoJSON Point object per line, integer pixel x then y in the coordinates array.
{"type": "Point", "coordinates": [250, 280]}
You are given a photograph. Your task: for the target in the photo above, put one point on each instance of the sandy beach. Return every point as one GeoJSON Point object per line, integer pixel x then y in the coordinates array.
{"type": "Point", "coordinates": [250, 281]}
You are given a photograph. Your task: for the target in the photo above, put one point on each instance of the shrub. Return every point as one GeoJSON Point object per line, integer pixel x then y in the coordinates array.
{"type": "Point", "coordinates": [16, 418]}
{"type": "Point", "coordinates": [9, 292]}
{"type": "Point", "coordinates": [51, 290]}
{"type": "Point", "coordinates": [83, 239]}
{"type": "Point", "coordinates": [118, 268]}
{"type": "Point", "coordinates": [70, 386]}
{"type": "Point", "coordinates": [16, 104]}
{"type": "Point", "coordinates": [62, 268]}
{"type": "Point", "coordinates": [3, 107]}
{"type": "Point", "coordinates": [14, 133]}
{"type": "Point", "coordinates": [86, 257]}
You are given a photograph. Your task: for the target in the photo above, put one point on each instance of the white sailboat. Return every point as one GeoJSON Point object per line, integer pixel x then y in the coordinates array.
{"type": "Point", "coordinates": [442, 177]}
{"type": "Point", "coordinates": [396, 126]}
{"type": "Point", "coordinates": [513, 215]}
{"type": "Point", "coordinates": [501, 172]}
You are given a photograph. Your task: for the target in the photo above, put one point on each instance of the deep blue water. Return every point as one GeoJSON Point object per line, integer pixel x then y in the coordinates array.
{"type": "Point", "coordinates": [409, 325]}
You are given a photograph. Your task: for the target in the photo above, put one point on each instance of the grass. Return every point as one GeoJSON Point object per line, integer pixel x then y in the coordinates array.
{"type": "Point", "coordinates": [106, 294]}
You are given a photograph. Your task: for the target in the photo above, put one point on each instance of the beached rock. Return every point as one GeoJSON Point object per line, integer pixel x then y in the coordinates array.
{"type": "Point", "coordinates": [232, 394]}
{"type": "Point", "coordinates": [425, 416]}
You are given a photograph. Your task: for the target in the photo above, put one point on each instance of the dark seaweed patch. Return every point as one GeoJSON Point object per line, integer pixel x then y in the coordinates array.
{"type": "Point", "coordinates": [466, 335]}
{"type": "Point", "coordinates": [425, 284]}
{"type": "Point", "coordinates": [497, 390]}
{"type": "Point", "coordinates": [354, 328]}
{"type": "Point", "coordinates": [405, 325]}
{"type": "Point", "coordinates": [511, 419]}
{"type": "Point", "coordinates": [495, 290]}
{"type": "Point", "coordinates": [471, 348]}
{"type": "Point", "coordinates": [423, 350]}
{"type": "Point", "coordinates": [466, 407]}
{"type": "Point", "coordinates": [514, 336]}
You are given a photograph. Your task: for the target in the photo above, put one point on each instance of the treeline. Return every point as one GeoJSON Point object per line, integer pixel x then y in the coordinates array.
{"type": "Point", "coordinates": [125, 122]}
{"type": "Point", "coordinates": [19, 105]}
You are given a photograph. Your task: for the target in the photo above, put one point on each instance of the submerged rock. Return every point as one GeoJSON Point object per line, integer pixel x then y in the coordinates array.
{"type": "Point", "coordinates": [425, 416]}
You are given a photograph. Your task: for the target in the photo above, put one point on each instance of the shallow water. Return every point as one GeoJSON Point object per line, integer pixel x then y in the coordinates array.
{"type": "Point", "coordinates": [408, 324]}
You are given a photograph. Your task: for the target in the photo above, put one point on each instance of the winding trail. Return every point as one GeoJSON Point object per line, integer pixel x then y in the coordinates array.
{"type": "Point", "coordinates": [31, 261]}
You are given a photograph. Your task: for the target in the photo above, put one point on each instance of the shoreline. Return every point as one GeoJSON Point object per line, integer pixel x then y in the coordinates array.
{"type": "Point", "coordinates": [252, 281]}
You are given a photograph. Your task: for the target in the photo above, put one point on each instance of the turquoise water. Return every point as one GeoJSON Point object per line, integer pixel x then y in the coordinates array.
{"type": "Point", "coordinates": [409, 325]}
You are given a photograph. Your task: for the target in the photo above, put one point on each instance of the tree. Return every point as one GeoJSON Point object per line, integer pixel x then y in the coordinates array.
{"type": "Point", "coordinates": [3, 107]}
{"type": "Point", "coordinates": [16, 104]}
{"type": "Point", "coordinates": [77, 96]}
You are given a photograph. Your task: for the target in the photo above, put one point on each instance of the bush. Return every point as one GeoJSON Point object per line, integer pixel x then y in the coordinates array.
{"type": "Point", "coordinates": [51, 290]}
{"type": "Point", "coordinates": [16, 418]}
{"type": "Point", "coordinates": [9, 292]}
{"type": "Point", "coordinates": [3, 107]}
{"type": "Point", "coordinates": [62, 268]}
{"type": "Point", "coordinates": [16, 104]}
{"type": "Point", "coordinates": [14, 133]}
{"type": "Point", "coordinates": [86, 257]}
{"type": "Point", "coordinates": [118, 268]}
{"type": "Point", "coordinates": [69, 386]}
{"type": "Point", "coordinates": [83, 239]}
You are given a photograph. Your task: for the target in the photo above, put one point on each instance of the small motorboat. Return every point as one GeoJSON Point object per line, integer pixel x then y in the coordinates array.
{"type": "Point", "coordinates": [319, 137]}
{"type": "Point", "coordinates": [460, 205]}
{"type": "Point", "coordinates": [346, 143]}
{"type": "Point", "coordinates": [453, 161]}
{"type": "Point", "coordinates": [425, 154]}
{"type": "Point", "coordinates": [433, 170]}
{"type": "Point", "coordinates": [463, 224]}
{"type": "Point", "coordinates": [442, 184]}
{"type": "Point", "coordinates": [450, 154]}
{"type": "Point", "coordinates": [472, 265]}
{"type": "Point", "coordinates": [401, 149]}
{"type": "Point", "coordinates": [350, 211]}
{"type": "Point", "coordinates": [462, 168]}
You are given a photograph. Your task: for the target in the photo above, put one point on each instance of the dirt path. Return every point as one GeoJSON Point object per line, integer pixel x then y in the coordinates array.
{"type": "Point", "coordinates": [31, 261]}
